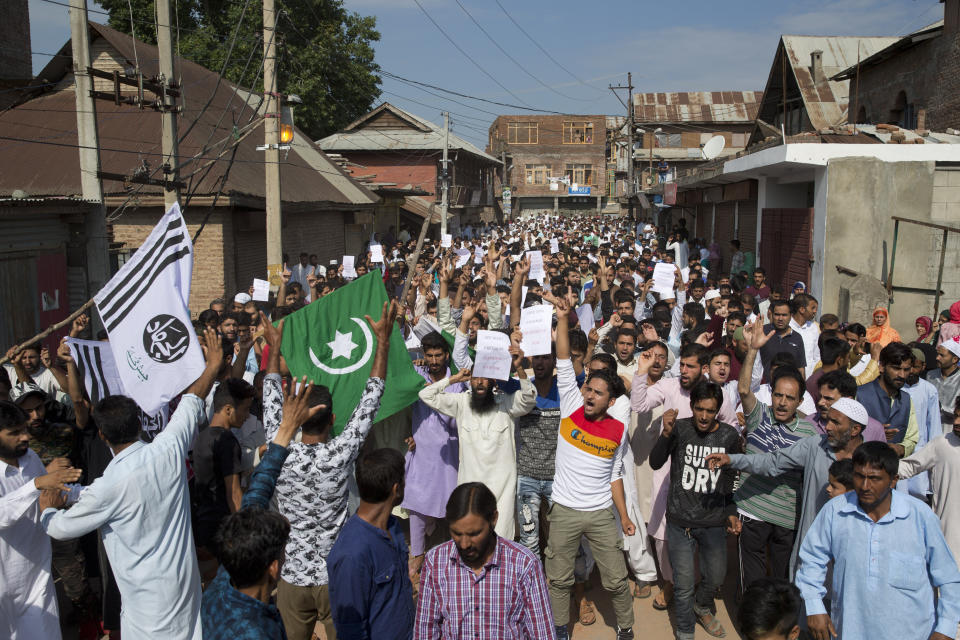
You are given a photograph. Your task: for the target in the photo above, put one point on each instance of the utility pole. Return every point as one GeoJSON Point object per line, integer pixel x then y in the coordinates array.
{"type": "Point", "coordinates": [88, 139]}
{"type": "Point", "coordinates": [629, 106]}
{"type": "Point", "coordinates": [445, 194]}
{"type": "Point", "coordinates": [271, 130]}
{"type": "Point", "coordinates": [169, 109]}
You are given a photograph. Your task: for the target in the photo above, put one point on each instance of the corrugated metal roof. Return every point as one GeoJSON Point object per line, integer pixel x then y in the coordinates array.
{"type": "Point", "coordinates": [421, 135]}
{"type": "Point", "coordinates": [826, 102]}
{"type": "Point", "coordinates": [924, 33]}
{"type": "Point", "coordinates": [130, 138]}
{"type": "Point", "coordinates": [697, 106]}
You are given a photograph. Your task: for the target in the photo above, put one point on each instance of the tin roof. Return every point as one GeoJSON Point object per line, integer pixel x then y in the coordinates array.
{"type": "Point", "coordinates": [414, 133]}
{"type": "Point", "coordinates": [827, 102]}
{"type": "Point", "coordinates": [42, 159]}
{"type": "Point", "coordinates": [697, 106]}
{"type": "Point", "coordinates": [925, 33]}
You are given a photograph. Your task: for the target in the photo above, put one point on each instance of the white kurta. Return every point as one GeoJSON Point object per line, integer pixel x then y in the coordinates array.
{"type": "Point", "coordinates": [941, 457]}
{"type": "Point", "coordinates": [28, 600]}
{"type": "Point", "coordinates": [488, 451]}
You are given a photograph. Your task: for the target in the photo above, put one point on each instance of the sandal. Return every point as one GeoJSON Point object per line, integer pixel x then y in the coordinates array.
{"type": "Point", "coordinates": [662, 601]}
{"type": "Point", "coordinates": [587, 615]}
{"type": "Point", "coordinates": [711, 625]}
{"type": "Point", "coordinates": [641, 591]}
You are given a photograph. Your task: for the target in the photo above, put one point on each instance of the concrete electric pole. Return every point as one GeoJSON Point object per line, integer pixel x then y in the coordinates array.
{"type": "Point", "coordinates": [88, 139]}
{"type": "Point", "coordinates": [168, 114]}
{"type": "Point", "coordinates": [271, 130]}
{"type": "Point", "coordinates": [631, 190]}
{"type": "Point", "coordinates": [445, 193]}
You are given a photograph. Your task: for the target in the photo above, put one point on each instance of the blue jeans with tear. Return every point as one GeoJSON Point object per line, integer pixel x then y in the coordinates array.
{"type": "Point", "coordinates": [690, 599]}
{"type": "Point", "coordinates": [530, 494]}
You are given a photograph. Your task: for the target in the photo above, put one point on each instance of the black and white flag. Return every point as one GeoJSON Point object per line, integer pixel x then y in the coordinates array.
{"type": "Point", "coordinates": [144, 310]}
{"type": "Point", "coordinates": [100, 377]}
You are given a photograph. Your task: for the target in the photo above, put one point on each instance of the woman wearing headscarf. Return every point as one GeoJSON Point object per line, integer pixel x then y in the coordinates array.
{"type": "Point", "coordinates": [880, 331]}
{"type": "Point", "coordinates": [925, 333]}
{"type": "Point", "coordinates": [950, 330]}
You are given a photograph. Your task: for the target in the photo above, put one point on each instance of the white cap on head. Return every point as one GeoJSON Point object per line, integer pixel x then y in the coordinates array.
{"type": "Point", "coordinates": [242, 298]}
{"type": "Point", "coordinates": [953, 346]}
{"type": "Point", "coordinates": [711, 294]}
{"type": "Point", "coordinates": [852, 409]}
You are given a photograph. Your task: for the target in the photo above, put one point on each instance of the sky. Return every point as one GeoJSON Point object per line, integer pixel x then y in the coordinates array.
{"type": "Point", "coordinates": [567, 52]}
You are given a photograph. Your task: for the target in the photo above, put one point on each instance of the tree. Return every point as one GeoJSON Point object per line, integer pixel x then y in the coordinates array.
{"type": "Point", "coordinates": [325, 53]}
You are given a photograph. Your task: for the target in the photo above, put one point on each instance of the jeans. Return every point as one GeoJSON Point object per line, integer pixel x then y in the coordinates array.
{"type": "Point", "coordinates": [711, 543]}
{"type": "Point", "coordinates": [530, 493]}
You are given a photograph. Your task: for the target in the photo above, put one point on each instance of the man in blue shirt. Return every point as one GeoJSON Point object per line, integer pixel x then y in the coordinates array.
{"type": "Point", "coordinates": [370, 593]}
{"type": "Point", "coordinates": [889, 555]}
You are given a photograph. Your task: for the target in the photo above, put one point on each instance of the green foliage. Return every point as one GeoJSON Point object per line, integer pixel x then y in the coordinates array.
{"type": "Point", "coordinates": [325, 53]}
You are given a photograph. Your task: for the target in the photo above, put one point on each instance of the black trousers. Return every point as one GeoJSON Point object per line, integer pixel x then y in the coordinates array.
{"type": "Point", "coordinates": [764, 545]}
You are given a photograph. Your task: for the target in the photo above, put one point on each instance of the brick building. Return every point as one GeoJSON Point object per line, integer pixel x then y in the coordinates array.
{"type": "Point", "coordinates": [16, 67]}
{"type": "Point", "coordinates": [915, 81]}
{"type": "Point", "coordinates": [555, 164]}
{"type": "Point", "coordinates": [393, 147]}
{"type": "Point", "coordinates": [322, 206]}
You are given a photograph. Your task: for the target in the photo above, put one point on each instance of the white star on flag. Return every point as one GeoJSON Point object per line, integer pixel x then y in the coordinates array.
{"type": "Point", "coordinates": [342, 346]}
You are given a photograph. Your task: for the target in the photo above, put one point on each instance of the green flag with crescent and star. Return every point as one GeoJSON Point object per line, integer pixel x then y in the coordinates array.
{"type": "Point", "coordinates": [330, 342]}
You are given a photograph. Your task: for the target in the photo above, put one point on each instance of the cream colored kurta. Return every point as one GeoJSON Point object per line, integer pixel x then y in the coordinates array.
{"type": "Point", "coordinates": [488, 451]}
{"type": "Point", "coordinates": [941, 457]}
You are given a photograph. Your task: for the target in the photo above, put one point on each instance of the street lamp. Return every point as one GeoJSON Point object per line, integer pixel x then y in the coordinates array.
{"type": "Point", "coordinates": [286, 119]}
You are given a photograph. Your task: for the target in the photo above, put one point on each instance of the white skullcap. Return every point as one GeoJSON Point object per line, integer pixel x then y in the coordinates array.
{"type": "Point", "coordinates": [710, 295]}
{"type": "Point", "coordinates": [242, 298]}
{"type": "Point", "coordinates": [953, 346]}
{"type": "Point", "coordinates": [852, 409]}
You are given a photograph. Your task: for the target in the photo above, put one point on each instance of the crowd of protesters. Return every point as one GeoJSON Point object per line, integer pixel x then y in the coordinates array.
{"type": "Point", "coordinates": [669, 415]}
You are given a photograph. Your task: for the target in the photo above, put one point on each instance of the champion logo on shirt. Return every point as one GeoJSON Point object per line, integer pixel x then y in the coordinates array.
{"type": "Point", "coordinates": [594, 445]}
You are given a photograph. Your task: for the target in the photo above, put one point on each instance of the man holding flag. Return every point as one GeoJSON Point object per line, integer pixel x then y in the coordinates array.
{"type": "Point", "coordinates": [312, 488]}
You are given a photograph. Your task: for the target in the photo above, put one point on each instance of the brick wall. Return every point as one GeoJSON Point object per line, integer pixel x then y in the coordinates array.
{"type": "Point", "coordinates": [209, 281]}
{"type": "Point", "coordinates": [945, 111]}
{"type": "Point", "coordinates": [15, 60]}
{"type": "Point", "coordinates": [551, 151]}
{"type": "Point", "coordinates": [415, 168]}
{"type": "Point", "coordinates": [946, 211]}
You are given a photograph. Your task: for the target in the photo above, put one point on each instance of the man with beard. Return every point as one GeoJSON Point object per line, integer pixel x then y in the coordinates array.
{"type": "Point", "coordinates": [27, 366]}
{"type": "Point", "coordinates": [485, 427]}
{"type": "Point", "coordinates": [833, 386]}
{"type": "Point", "coordinates": [941, 458]}
{"type": "Point", "coordinates": [52, 440]}
{"type": "Point", "coordinates": [431, 467]}
{"type": "Point", "coordinates": [783, 339]}
{"type": "Point", "coordinates": [886, 402]}
{"type": "Point", "coordinates": [893, 573]}
{"type": "Point", "coordinates": [504, 581]}
{"type": "Point", "coordinates": [926, 406]}
{"type": "Point", "coordinates": [28, 599]}
{"type": "Point", "coordinates": [811, 456]}
{"type": "Point", "coordinates": [587, 484]}
{"type": "Point", "coordinates": [946, 379]}
{"type": "Point", "coordinates": [768, 504]}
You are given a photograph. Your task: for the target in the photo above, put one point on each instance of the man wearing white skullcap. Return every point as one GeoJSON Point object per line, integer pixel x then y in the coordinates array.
{"type": "Point", "coordinates": [946, 379]}
{"type": "Point", "coordinates": [813, 455]}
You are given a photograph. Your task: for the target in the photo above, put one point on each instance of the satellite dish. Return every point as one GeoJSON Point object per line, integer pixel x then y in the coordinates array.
{"type": "Point", "coordinates": [713, 147]}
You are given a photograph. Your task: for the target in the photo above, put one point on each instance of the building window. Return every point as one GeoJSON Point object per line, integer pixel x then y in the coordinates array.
{"type": "Point", "coordinates": [581, 174]}
{"type": "Point", "coordinates": [522, 132]}
{"type": "Point", "coordinates": [577, 133]}
{"type": "Point", "coordinates": [536, 173]}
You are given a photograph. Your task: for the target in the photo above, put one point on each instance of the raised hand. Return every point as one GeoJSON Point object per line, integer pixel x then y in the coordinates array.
{"type": "Point", "coordinates": [213, 351]}
{"type": "Point", "coordinates": [79, 324]}
{"type": "Point", "coordinates": [704, 339]}
{"type": "Point", "coordinates": [45, 358]}
{"type": "Point", "coordinates": [384, 326]}
{"type": "Point", "coordinates": [644, 362]}
{"type": "Point", "coordinates": [616, 321]}
{"type": "Point", "coordinates": [63, 351]}
{"type": "Point", "coordinates": [754, 335]}
{"type": "Point", "coordinates": [460, 376]}
{"type": "Point", "coordinates": [875, 349]}
{"type": "Point", "coordinates": [669, 420]}
{"type": "Point", "coordinates": [594, 336]}
{"type": "Point", "coordinates": [272, 334]}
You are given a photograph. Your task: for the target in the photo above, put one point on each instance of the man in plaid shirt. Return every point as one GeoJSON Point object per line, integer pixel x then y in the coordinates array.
{"type": "Point", "coordinates": [478, 585]}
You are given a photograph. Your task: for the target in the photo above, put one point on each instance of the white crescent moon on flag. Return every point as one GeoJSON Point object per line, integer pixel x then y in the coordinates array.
{"type": "Point", "coordinates": [368, 338]}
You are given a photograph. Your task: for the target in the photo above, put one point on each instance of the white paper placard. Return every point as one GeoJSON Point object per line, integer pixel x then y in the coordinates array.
{"type": "Point", "coordinates": [585, 315]}
{"type": "Point", "coordinates": [261, 290]}
{"type": "Point", "coordinates": [348, 270]}
{"type": "Point", "coordinates": [536, 265]}
{"type": "Point", "coordinates": [554, 246]}
{"type": "Point", "coordinates": [663, 276]}
{"type": "Point", "coordinates": [493, 356]}
{"type": "Point", "coordinates": [536, 324]}
{"type": "Point", "coordinates": [523, 296]}
{"type": "Point", "coordinates": [478, 256]}
{"type": "Point", "coordinates": [463, 255]}
{"type": "Point", "coordinates": [446, 240]}
{"type": "Point", "coordinates": [376, 253]}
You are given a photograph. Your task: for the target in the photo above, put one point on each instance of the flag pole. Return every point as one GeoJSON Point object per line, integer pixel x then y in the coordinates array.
{"type": "Point", "coordinates": [43, 334]}
{"type": "Point", "coordinates": [412, 261]}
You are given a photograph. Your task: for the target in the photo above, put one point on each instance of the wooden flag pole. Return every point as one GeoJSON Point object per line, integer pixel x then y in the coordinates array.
{"type": "Point", "coordinates": [43, 334]}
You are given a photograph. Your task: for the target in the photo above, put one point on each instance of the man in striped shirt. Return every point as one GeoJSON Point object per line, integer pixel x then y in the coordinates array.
{"type": "Point", "coordinates": [480, 586]}
{"type": "Point", "coordinates": [768, 505]}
